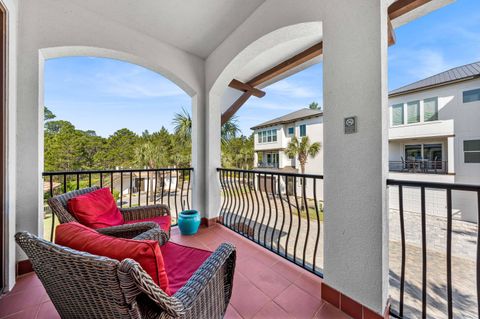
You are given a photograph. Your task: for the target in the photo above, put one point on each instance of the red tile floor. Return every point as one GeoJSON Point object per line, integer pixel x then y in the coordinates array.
{"type": "Point", "coordinates": [265, 285]}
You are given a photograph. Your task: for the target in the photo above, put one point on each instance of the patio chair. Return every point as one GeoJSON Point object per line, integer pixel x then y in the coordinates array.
{"type": "Point", "coordinates": [145, 215]}
{"type": "Point", "coordinates": [82, 285]}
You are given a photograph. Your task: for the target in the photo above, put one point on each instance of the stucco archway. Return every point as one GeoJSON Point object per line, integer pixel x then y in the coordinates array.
{"type": "Point", "coordinates": [259, 56]}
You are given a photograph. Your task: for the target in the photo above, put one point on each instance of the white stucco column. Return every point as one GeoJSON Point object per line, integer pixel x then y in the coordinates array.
{"type": "Point", "coordinates": [451, 154]}
{"type": "Point", "coordinates": [198, 152]}
{"type": "Point", "coordinates": [255, 159]}
{"type": "Point", "coordinates": [355, 165]}
{"type": "Point", "coordinates": [212, 157]}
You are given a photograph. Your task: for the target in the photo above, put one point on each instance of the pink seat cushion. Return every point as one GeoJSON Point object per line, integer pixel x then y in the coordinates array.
{"type": "Point", "coordinates": [96, 209]}
{"type": "Point", "coordinates": [181, 262]}
{"type": "Point", "coordinates": [163, 221]}
{"type": "Point", "coordinates": [146, 252]}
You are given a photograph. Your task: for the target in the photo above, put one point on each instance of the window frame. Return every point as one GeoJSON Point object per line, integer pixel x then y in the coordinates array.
{"type": "Point", "coordinates": [303, 130]}
{"type": "Point", "coordinates": [417, 102]}
{"type": "Point", "coordinates": [292, 133]}
{"type": "Point", "coordinates": [476, 92]}
{"type": "Point", "coordinates": [436, 109]}
{"type": "Point", "coordinates": [402, 106]}
{"type": "Point", "coordinates": [475, 151]}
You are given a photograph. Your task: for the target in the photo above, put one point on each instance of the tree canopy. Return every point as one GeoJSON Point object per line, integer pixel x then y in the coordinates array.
{"type": "Point", "coordinates": [69, 149]}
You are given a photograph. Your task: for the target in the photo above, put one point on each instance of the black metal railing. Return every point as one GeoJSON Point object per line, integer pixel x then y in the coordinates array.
{"type": "Point", "coordinates": [419, 166]}
{"type": "Point", "coordinates": [427, 282]}
{"type": "Point", "coordinates": [282, 212]}
{"type": "Point", "coordinates": [130, 187]}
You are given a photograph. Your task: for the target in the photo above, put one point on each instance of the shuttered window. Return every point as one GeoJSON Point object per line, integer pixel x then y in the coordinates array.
{"type": "Point", "coordinates": [471, 151]}
{"type": "Point", "coordinates": [413, 112]}
{"type": "Point", "coordinates": [397, 114]}
{"type": "Point", "coordinates": [430, 109]}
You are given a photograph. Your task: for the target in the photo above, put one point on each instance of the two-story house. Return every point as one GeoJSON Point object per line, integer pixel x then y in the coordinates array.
{"type": "Point", "coordinates": [272, 138]}
{"type": "Point", "coordinates": [434, 132]}
{"type": "Point", "coordinates": [434, 136]}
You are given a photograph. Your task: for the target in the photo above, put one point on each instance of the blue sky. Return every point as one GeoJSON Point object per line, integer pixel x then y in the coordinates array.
{"type": "Point", "coordinates": [106, 95]}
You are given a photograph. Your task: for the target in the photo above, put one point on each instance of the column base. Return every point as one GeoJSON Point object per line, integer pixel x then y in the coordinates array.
{"type": "Point", "coordinates": [350, 306]}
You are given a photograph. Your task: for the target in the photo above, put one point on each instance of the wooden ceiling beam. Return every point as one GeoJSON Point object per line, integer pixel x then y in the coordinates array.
{"type": "Point", "coordinates": [288, 64]}
{"type": "Point", "coordinates": [391, 33]}
{"type": "Point", "coordinates": [401, 7]}
{"type": "Point", "coordinates": [235, 107]}
{"type": "Point", "coordinates": [236, 84]}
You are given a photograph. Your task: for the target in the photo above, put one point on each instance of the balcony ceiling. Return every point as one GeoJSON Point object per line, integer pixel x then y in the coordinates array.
{"type": "Point", "coordinates": [195, 26]}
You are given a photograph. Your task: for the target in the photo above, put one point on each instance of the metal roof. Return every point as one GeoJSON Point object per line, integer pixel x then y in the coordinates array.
{"type": "Point", "coordinates": [461, 73]}
{"type": "Point", "coordinates": [291, 117]}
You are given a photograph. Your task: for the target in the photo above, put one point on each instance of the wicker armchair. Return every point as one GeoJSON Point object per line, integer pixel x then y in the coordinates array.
{"type": "Point", "coordinates": [58, 204]}
{"type": "Point", "coordinates": [82, 285]}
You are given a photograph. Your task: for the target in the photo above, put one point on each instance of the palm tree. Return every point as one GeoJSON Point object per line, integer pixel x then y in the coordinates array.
{"type": "Point", "coordinates": [302, 150]}
{"type": "Point", "coordinates": [183, 126]}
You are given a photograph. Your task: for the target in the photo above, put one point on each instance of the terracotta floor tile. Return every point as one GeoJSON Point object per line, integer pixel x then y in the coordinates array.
{"type": "Point", "coordinates": [330, 312]}
{"type": "Point", "coordinates": [26, 282]}
{"type": "Point", "coordinates": [247, 299]}
{"type": "Point", "coordinates": [271, 283]}
{"type": "Point", "coordinates": [310, 283]}
{"type": "Point", "coordinates": [298, 303]}
{"type": "Point", "coordinates": [231, 313]}
{"type": "Point", "coordinates": [15, 302]}
{"type": "Point", "coordinates": [27, 313]}
{"type": "Point", "coordinates": [288, 270]}
{"type": "Point", "coordinates": [272, 311]}
{"type": "Point", "coordinates": [47, 311]}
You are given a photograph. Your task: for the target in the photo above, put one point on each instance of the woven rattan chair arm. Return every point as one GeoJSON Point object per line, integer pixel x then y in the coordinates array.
{"type": "Point", "coordinates": [142, 212]}
{"type": "Point", "coordinates": [220, 263]}
{"type": "Point", "coordinates": [134, 280]}
{"type": "Point", "coordinates": [157, 234]}
{"type": "Point", "coordinates": [128, 230]}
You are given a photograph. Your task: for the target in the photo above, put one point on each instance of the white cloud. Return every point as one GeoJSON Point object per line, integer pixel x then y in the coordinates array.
{"type": "Point", "coordinates": [290, 89]}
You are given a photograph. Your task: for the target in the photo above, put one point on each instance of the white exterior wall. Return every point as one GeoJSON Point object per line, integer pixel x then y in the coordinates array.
{"type": "Point", "coordinates": [457, 121]}
{"type": "Point", "coordinates": [50, 29]}
{"type": "Point", "coordinates": [11, 157]}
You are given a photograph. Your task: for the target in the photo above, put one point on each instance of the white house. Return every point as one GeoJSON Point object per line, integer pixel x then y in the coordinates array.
{"type": "Point", "coordinates": [433, 134]}
{"type": "Point", "coordinates": [272, 138]}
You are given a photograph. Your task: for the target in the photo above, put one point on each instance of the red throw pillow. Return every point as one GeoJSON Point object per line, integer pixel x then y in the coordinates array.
{"type": "Point", "coordinates": [146, 252]}
{"type": "Point", "coordinates": [96, 209]}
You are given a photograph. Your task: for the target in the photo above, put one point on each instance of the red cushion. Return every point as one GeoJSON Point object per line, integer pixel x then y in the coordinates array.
{"type": "Point", "coordinates": [146, 252]}
{"type": "Point", "coordinates": [163, 221]}
{"type": "Point", "coordinates": [96, 209]}
{"type": "Point", "coordinates": [181, 262]}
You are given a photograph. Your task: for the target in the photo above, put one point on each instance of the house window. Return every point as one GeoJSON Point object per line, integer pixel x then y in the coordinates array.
{"type": "Point", "coordinates": [413, 112]}
{"type": "Point", "coordinates": [471, 96]}
{"type": "Point", "coordinates": [397, 114]}
{"type": "Point", "coordinates": [303, 130]}
{"type": "Point", "coordinates": [413, 152]}
{"type": "Point", "coordinates": [267, 136]}
{"type": "Point", "coordinates": [471, 151]}
{"type": "Point", "coordinates": [430, 109]}
{"type": "Point", "coordinates": [291, 131]}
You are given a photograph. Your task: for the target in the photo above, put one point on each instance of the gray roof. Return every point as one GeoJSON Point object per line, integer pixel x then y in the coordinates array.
{"type": "Point", "coordinates": [291, 117]}
{"type": "Point", "coordinates": [461, 73]}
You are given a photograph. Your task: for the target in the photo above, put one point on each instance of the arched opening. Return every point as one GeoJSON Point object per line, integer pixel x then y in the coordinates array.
{"type": "Point", "coordinates": [115, 124]}
{"type": "Point", "coordinates": [267, 194]}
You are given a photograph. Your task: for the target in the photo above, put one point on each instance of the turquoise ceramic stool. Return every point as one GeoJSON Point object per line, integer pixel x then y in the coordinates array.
{"type": "Point", "coordinates": [188, 222]}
